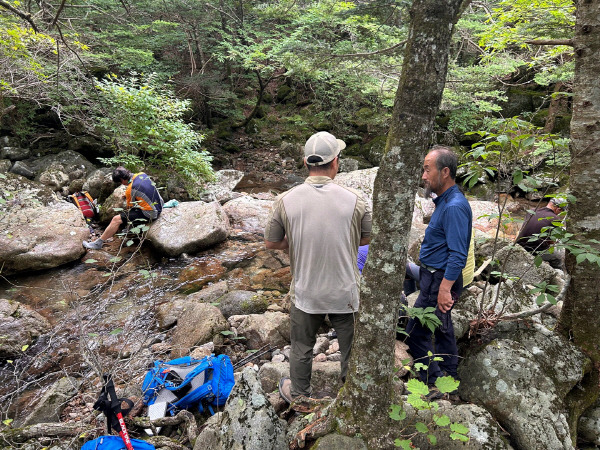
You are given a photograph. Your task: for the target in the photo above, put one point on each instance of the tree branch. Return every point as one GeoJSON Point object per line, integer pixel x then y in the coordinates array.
{"type": "Point", "coordinates": [378, 52]}
{"type": "Point", "coordinates": [551, 42]}
{"type": "Point", "coordinates": [21, 14]}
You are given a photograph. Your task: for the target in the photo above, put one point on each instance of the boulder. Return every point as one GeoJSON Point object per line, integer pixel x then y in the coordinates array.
{"type": "Point", "coordinates": [99, 184]}
{"type": "Point", "coordinates": [53, 402]}
{"type": "Point", "coordinates": [67, 158]}
{"type": "Point", "coordinates": [41, 237]}
{"type": "Point", "coordinates": [248, 420]}
{"type": "Point", "coordinates": [114, 203]}
{"type": "Point", "coordinates": [325, 379]}
{"type": "Point", "coordinates": [5, 165]}
{"type": "Point", "coordinates": [20, 326]}
{"type": "Point", "coordinates": [221, 190]}
{"type": "Point", "coordinates": [588, 428]}
{"type": "Point", "coordinates": [484, 432]}
{"type": "Point", "coordinates": [336, 441]}
{"type": "Point", "coordinates": [242, 302]}
{"type": "Point", "coordinates": [189, 228]}
{"type": "Point", "coordinates": [168, 313]}
{"type": "Point", "coordinates": [14, 153]}
{"type": "Point", "coordinates": [55, 177]}
{"type": "Point", "coordinates": [198, 324]}
{"type": "Point", "coordinates": [248, 214]}
{"type": "Point", "coordinates": [23, 169]}
{"type": "Point", "coordinates": [518, 262]}
{"type": "Point", "coordinates": [522, 378]}
{"type": "Point", "coordinates": [269, 328]}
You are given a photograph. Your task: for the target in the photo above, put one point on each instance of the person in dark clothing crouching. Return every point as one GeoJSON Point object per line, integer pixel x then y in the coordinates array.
{"type": "Point", "coordinates": [144, 204]}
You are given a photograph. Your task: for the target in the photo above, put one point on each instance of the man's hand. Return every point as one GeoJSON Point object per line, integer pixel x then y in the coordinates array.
{"type": "Point", "coordinates": [444, 300]}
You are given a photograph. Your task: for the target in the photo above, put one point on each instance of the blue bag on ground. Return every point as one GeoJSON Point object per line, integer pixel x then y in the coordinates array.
{"type": "Point", "coordinates": [115, 443]}
{"type": "Point", "coordinates": [186, 383]}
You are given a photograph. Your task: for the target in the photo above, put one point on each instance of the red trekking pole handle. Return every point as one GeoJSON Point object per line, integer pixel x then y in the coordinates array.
{"type": "Point", "coordinates": [123, 433]}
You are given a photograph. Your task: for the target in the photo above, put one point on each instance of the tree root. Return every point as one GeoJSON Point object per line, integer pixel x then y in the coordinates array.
{"type": "Point", "coordinates": [321, 424]}
{"type": "Point", "coordinates": [50, 430]}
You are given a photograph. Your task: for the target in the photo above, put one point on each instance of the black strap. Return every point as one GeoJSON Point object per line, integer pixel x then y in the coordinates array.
{"type": "Point", "coordinates": [109, 404]}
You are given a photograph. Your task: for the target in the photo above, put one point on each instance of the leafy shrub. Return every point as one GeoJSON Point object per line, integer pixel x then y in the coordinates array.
{"type": "Point", "coordinates": [143, 120]}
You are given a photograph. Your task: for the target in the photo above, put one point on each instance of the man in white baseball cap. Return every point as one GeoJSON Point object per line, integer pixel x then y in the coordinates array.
{"type": "Point", "coordinates": [322, 224]}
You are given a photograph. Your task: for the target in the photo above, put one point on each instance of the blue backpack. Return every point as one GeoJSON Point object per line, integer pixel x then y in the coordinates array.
{"type": "Point", "coordinates": [115, 443]}
{"type": "Point", "coordinates": [185, 383]}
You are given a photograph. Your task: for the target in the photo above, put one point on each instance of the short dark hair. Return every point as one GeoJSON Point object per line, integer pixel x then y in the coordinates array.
{"type": "Point", "coordinates": [322, 168]}
{"type": "Point", "coordinates": [446, 158]}
{"type": "Point", "coordinates": [121, 173]}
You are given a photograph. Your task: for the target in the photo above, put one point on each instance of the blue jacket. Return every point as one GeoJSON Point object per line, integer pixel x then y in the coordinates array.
{"type": "Point", "coordinates": [447, 238]}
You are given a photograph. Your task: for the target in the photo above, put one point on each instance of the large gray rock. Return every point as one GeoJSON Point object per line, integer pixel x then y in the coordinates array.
{"type": "Point", "coordinates": [242, 302]}
{"type": "Point", "coordinates": [113, 205]}
{"type": "Point", "coordinates": [269, 328]}
{"type": "Point", "coordinates": [14, 153]}
{"type": "Point", "coordinates": [198, 324]}
{"type": "Point", "coordinates": [248, 214]}
{"type": "Point", "coordinates": [55, 177]}
{"type": "Point", "coordinates": [53, 402]}
{"type": "Point", "coordinates": [23, 169]}
{"type": "Point", "coordinates": [99, 184]}
{"type": "Point", "coordinates": [221, 190]}
{"type": "Point", "coordinates": [67, 158]}
{"type": "Point", "coordinates": [20, 326]}
{"type": "Point", "coordinates": [325, 378]}
{"type": "Point", "coordinates": [588, 428]}
{"type": "Point", "coordinates": [484, 432]}
{"type": "Point", "coordinates": [518, 262]}
{"type": "Point", "coordinates": [37, 236]}
{"type": "Point", "coordinates": [522, 378]}
{"type": "Point", "coordinates": [189, 228]}
{"type": "Point", "coordinates": [336, 441]}
{"type": "Point", "coordinates": [247, 422]}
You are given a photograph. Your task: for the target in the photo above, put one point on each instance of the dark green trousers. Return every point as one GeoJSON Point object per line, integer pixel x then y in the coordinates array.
{"type": "Point", "coordinates": [304, 328]}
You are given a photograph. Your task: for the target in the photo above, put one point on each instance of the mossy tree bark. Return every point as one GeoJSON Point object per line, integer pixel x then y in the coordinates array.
{"type": "Point", "coordinates": [579, 320]}
{"type": "Point", "coordinates": [363, 404]}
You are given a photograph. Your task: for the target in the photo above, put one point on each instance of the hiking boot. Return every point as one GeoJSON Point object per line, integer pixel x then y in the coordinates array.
{"type": "Point", "coordinates": [434, 393]}
{"type": "Point", "coordinates": [285, 389]}
{"type": "Point", "coordinates": [95, 245]}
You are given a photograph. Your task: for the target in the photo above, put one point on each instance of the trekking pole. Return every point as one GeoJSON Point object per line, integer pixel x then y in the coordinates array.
{"type": "Point", "coordinates": [110, 405]}
{"type": "Point", "coordinates": [261, 351]}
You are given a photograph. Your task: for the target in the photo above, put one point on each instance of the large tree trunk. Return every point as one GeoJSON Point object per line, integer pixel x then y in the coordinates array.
{"type": "Point", "coordinates": [579, 320]}
{"type": "Point", "coordinates": [363, 403]}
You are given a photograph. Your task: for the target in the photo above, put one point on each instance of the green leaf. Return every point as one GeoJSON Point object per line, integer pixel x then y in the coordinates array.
{"type": "Point", "coordinates": [417, 387]}
{"type": "Point", "coordinates": [417, 402]}
{"type": "Point", "coordinates": [7, 421]}
{"type": "Point", "coordinates": [441, 421]}
{"type": "Point", "coordinates": [90, 261]}
{"type": "Point", "coordinates": [432, 439]}
{"type": "Point", "coordinates": [421, 427]}
{"type": "Point", "coordinates": [115, 259]}
{"type": "Point", "coordinates": [116, 331]}
{"type": "Point", "coordinates": [459, 437]}
{"type": "Point", "coordinates": [24, 348]}
{"type": "Point", "coordinates": [538, 261]}
{"type": "Point", "coordinates": [446, 384]}
{"type": "Point", "coordinates": [397, 413]}
{"type": "Point", "coordinates": [459, 428]}
{"type": "Point", "coordinates": [129, 243]}
{"type": "Point", "coordinates": [226, 332]}
{"type": "Point", "coordinates": [405, 444]}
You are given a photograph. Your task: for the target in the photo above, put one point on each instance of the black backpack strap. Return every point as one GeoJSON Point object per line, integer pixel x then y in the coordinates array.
{"type": "Point", "coordinates": [109, 404]}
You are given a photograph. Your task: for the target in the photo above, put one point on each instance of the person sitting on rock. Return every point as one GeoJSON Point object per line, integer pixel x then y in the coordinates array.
{"type": "Point", "coordinates": [543, 218]}
{"type": "Point", "coordinates": [144, 204]}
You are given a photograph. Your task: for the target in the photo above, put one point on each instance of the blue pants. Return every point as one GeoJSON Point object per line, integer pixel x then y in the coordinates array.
{"type": "Point", "coordinates": [419, 339]}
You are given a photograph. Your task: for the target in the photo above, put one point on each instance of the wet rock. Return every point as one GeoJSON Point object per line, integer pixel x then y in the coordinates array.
{"type": "Point", "coordinates": [248, 420]}
{"type": "Point", "coordinates": [269, 328]}
{"type": "Point", "coordinates": [53, 402]}
{"type": "Point", "coordinates": [198, 325]}
{"type": "Point", "coordinates": [189, 228]}
{"type": "Point", "coordinates": [41, 237]}
{"type": "Point", "coordinates": [221, 190]}
{"type": "Point", "coordinates": [325, 379]}
{"type": "Point", "coordinates": [20, 326]}
{"type": "Point", "coordinates": [248, 214]}
{"type": "Point", "coordinates": [14, 153]}
{"type": "Point", "coordinates": [588, 428]}
{"type": "Point", "coordinates": [23, 169]}
{"type": "Point", "coordinates": [204, 270]}
{"type": "Point", "coordinates": [522, 378]}
{"type": "Point", "coordinates": [242, 302]}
